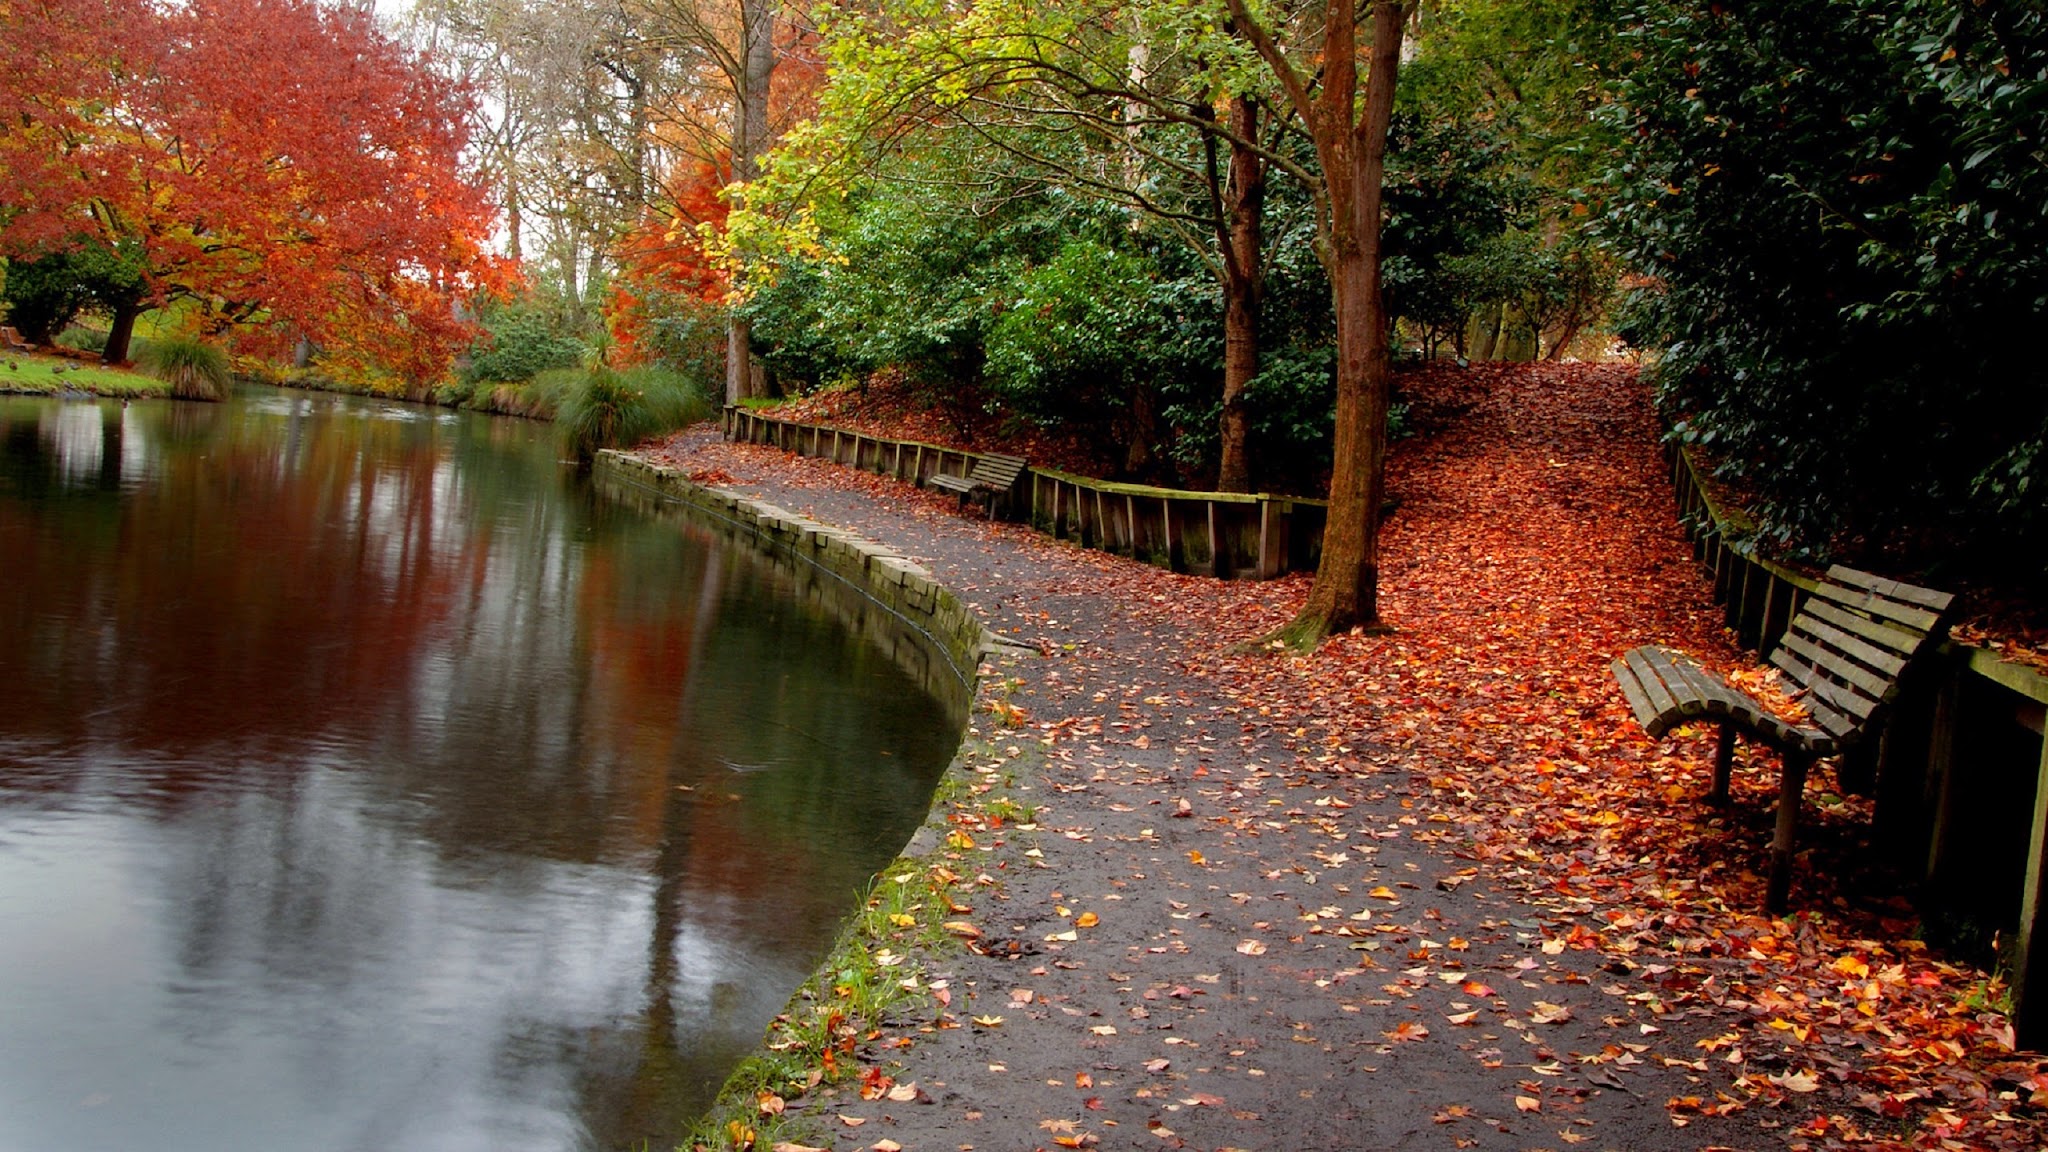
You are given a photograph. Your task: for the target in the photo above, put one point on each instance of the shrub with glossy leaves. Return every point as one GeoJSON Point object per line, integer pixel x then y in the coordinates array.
{"type": "Point", "coordinates": [1840, 210]}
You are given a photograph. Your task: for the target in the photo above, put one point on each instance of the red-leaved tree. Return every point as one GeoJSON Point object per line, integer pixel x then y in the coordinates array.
{"type": "Point", "coordinates": [276, 162]}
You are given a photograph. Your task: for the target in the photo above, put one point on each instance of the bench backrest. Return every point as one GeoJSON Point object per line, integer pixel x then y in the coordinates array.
{"type": "Point", "coordinates": [1850, 642]}
{"type": "Point", "coordinates": [997, 470]}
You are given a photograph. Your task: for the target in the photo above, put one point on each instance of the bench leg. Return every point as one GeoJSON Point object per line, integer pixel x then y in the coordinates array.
{"type": "Point", "coordinates": [1791, 793]}
{"type": "Point", "coordinates": [1724, 763]}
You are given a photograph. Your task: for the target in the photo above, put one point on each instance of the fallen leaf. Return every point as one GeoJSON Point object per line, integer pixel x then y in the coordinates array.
{"type": "Point", "coordinates": [1806, 1081]}
{"type": "Point", "coordinates": [989, 1021]}
{"type": "Point", "coordinates": [1252, 947]}
{"type": "Point", "coordinates": [1528, 1104]}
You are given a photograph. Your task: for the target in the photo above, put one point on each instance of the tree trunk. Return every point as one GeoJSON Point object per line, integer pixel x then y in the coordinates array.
{"type": "Point", "coordinates": [1243, 288]}
{"type": "Point", "coordinates": [1144, 429]}
{"type": "Point", "coordinates": [749, 139]}
{"type": "Point", "coordinates": [1345, 593]}
{"type": "Point", "coordinates": [123, 331]}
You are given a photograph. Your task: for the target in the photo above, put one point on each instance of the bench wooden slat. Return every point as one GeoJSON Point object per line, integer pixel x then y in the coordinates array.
{"type": "Point", "coordinates": [1904, 641]}
{"type": "Point", "coordinates": [1653, 686]}
{"type": "Point", "coordinates": [1928, 598]}
{"type": "Point", "coordinates": [1638, 698]}
{"type": "Point", "coordinates": [1817, 657]}
{"type": "Point", "coordinates": [1916, 618]}
{"type": "Point", "coordinates": [1840, 698]}
{"type": "Point", "coordinates": [1888, 664]}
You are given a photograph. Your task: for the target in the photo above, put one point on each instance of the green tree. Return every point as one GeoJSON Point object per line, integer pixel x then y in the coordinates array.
{"type": "Point", "coordinates": [45, 293]}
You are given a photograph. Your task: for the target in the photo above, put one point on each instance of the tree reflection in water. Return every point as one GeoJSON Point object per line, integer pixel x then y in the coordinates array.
{"type": "Point", "coordinates": [366, 782]}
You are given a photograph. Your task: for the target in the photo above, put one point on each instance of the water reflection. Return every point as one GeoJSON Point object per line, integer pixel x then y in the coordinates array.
{"type": "Point", "coordinates": [365, 785]}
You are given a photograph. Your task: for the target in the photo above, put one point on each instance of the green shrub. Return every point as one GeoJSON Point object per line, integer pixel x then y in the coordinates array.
{"type": "Point", "coordinates": [83, 339]}
{"type": "Point", "coordinates": [606, 408]}
{"type": "Point", "coordinates": [517, 347]}
{"type": "Point", "coordinates": [194, 369]}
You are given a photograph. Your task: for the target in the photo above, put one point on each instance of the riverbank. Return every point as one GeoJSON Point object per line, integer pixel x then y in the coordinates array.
{"type": "Point", "coordinates": [1428, 890]}
{"type": "Point", "coordinates": [33, 374]}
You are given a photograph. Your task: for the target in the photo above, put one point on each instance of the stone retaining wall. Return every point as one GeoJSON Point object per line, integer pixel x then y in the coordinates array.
{"type": "Point", "coordinates": [925, 628]}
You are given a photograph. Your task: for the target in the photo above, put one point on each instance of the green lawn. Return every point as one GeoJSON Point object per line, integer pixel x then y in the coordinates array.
{"type": "Point", "coordinates": [39, 375]}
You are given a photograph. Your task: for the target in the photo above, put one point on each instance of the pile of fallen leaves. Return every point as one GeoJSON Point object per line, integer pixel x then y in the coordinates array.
{"type": "Point", "coordinates": [888, 406]}
{"type": "Point", "coordinates": [1535, 541]}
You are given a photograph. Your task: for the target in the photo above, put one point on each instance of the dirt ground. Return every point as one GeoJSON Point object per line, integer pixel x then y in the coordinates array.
{"type": "Point", "coordinates": [1425, 891]}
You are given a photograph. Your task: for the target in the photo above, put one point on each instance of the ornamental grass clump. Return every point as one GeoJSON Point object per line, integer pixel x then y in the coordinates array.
{"type": "Point", "coordinates": [606, 408]}
{"type": "Point", "coordinates": [194, 369]}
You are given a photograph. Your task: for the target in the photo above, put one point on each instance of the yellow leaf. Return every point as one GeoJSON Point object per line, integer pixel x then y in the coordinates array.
{"type": "Point", "coordinates": [1852, 965]}
{"type": "Point", "coordinates": [901, 921]}
{"type": "Point", "coordinates": [1384, 893]}
{"type": "Point", "coordinates": [962, 929]}
{"type": "Point", "coordinates": [1087, 920]}
{"type": "Point", "coordinates": [1528, 1104]}
{"type": "Point", "coordinates": [989, 1021]}
{"type": "Point", "coordinates": [769, 1103]}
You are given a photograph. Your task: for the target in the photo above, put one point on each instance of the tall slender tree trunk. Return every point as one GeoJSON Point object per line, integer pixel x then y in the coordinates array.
{"type": "Point", "coordinates": [1345, 593]}
{"type": "Point", "coordinates": [749, 140]}
{"type": "Point", "coordinates": [1243, 292]}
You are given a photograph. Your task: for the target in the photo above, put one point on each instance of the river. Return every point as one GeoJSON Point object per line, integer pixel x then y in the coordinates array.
{"type": "Point", "coordinates": [368, 782]}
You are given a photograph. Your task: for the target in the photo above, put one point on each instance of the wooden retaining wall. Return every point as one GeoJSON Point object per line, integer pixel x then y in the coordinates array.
{"type": "Point", "coordinates": [1222, 534]}
{"type": "Point", "coordinates": [1959, 775]}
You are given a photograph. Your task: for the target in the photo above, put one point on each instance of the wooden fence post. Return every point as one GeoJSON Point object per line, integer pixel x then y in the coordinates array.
{"type": "Point", "coordinates": [2030, 955]}
{"type": "Point", "coordinates": [1272, 539]}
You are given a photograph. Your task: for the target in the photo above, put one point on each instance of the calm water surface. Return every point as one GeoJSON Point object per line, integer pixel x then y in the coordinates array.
{"type": "Point", "coordinates": [367, 783]}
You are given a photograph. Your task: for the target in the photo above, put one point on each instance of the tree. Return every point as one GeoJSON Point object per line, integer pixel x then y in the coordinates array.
{"type": "Point", "coordinates": [269, 160]}
{"type": "Point", "coordinates": [1351, 144]}
{"type": "Point", "coordinates": [1131, 104]}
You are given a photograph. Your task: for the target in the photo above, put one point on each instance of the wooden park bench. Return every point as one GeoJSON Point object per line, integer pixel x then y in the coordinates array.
{"type": "Point", "coordinates": [14, 342]}
{"type": "Point", "coordinates": [992, 478]}
{"type": "Point", "coordinates": [1841, 656]}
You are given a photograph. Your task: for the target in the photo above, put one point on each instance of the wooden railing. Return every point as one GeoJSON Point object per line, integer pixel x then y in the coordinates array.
{"type": "Point", "coordinates": [1223, 534]}
{"type": "Point", "coordinates": [1960, 775]}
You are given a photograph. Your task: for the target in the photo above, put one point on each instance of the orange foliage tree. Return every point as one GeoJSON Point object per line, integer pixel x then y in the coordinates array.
{"type": "Point", "coordinates": [276, 162]}
{"type": "Point", "coordinates": [760, 70]}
